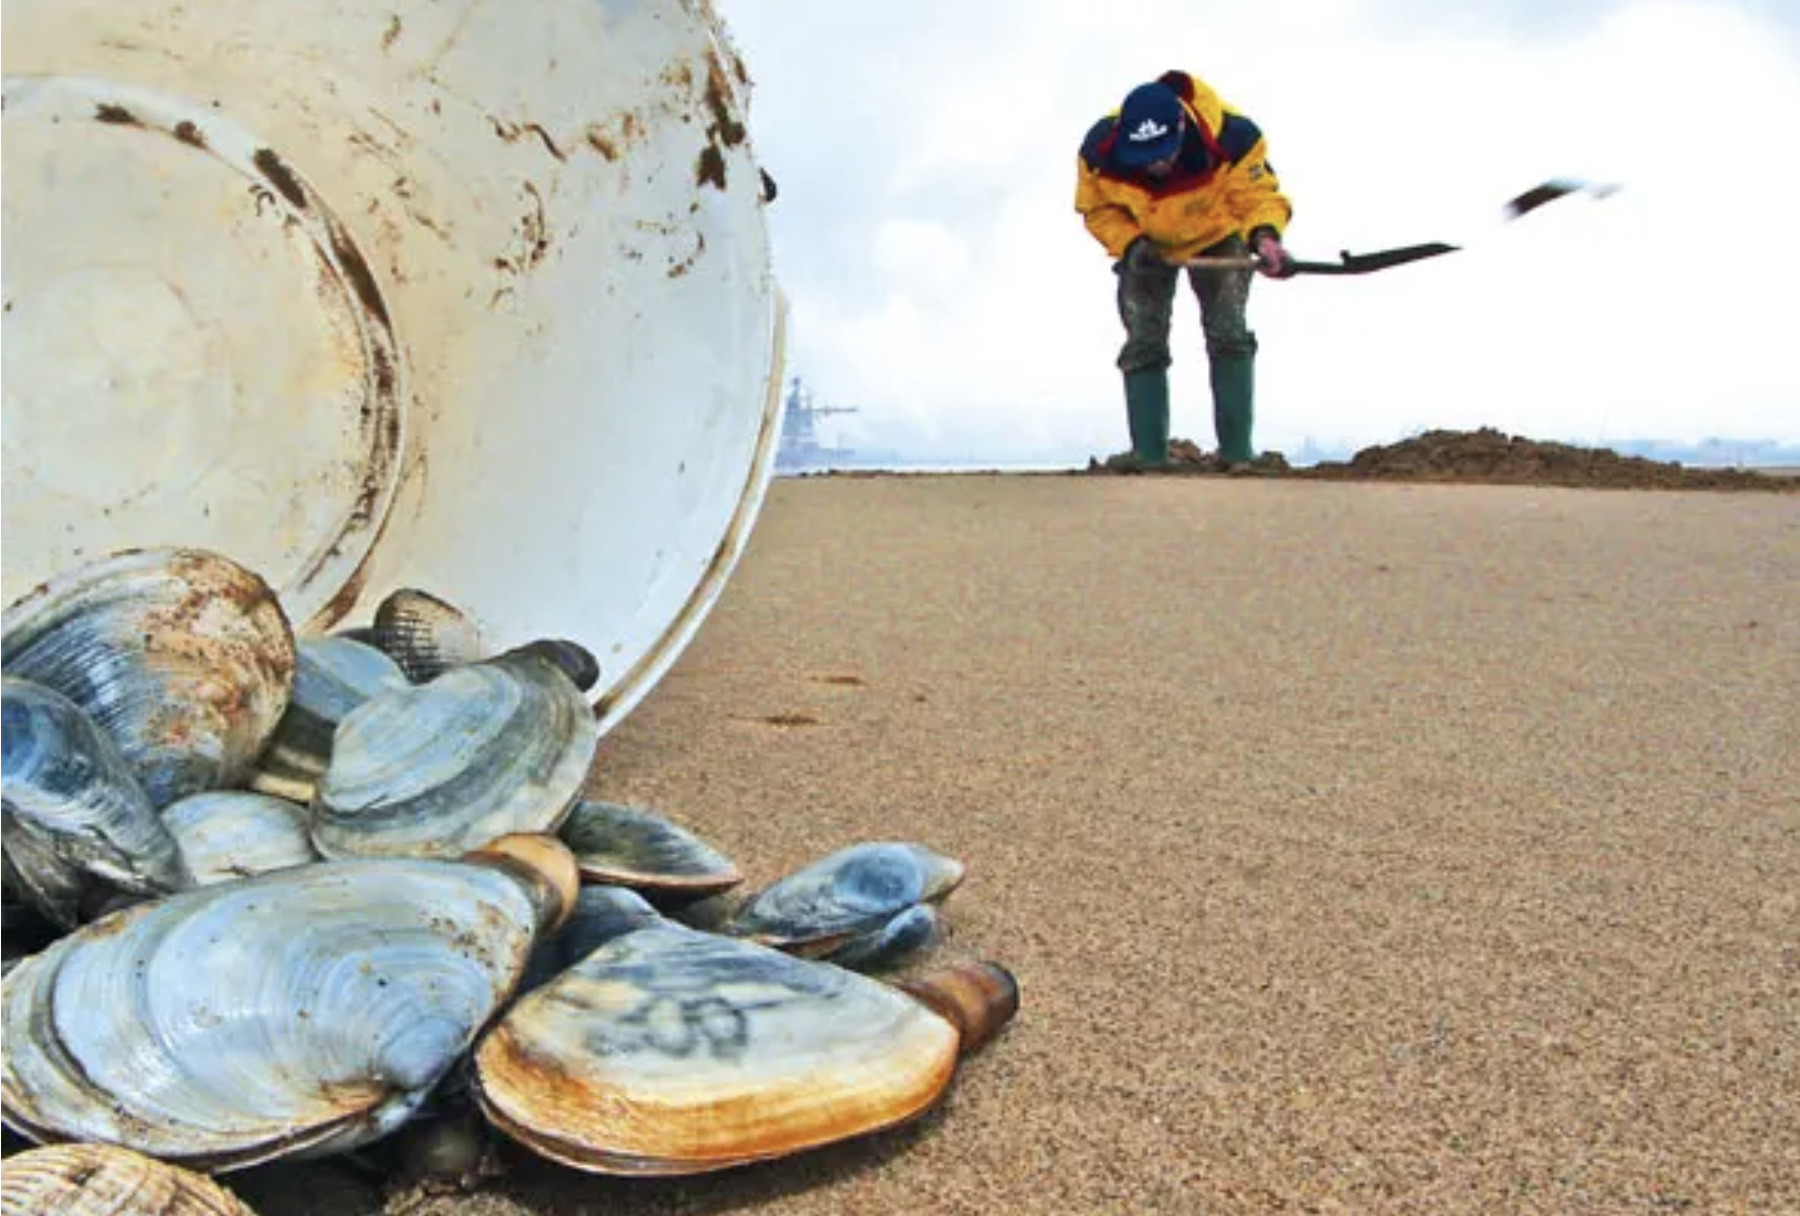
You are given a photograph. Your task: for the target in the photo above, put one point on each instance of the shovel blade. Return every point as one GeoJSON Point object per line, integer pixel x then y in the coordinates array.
{"type": "Point", "coordinates": [1383, 259]}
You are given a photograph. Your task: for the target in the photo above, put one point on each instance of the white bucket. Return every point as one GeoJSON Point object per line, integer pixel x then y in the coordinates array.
{"type": "Point", "coordinates": [470, 297]}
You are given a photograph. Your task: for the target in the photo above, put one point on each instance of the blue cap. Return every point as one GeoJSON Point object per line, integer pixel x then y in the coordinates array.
{"type": "Point", "coordinates": [1149, 125]}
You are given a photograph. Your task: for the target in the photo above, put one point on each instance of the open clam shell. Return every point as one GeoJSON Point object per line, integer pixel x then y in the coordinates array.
{"type": "Point", "coordinates": [182, 657]}
{"type": "Point", "coordinates": [435, 770]}
{"type": "Point", "coordinates": [425, 635]}
{"type": "Point", "coordinates": [298, 1013]}
{"type": "Point", "coordinates": [638, 848]}
{"type": "Point", "coordinates": [74, 813]}
{"type": "Point", "coordinates": [852, 892]}
{"type": "Point", "coordinates": [105, 1180]}
{"type": "Point", "coordinates": [236, 834]}
{"type": "Point", "coordinates": [332, 676]}
{"type": "Point", "coordinates": [672, 1051]}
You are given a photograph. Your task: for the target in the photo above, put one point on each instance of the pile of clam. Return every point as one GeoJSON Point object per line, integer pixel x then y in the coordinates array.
{"type": "Point", "coordinates": [270, 897]}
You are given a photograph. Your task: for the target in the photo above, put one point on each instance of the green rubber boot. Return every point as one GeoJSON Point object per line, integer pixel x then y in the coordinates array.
{"type": "Point", "coordinates": [1147, 412]}
{"type": "Point", "coordinates": [1234, 395]}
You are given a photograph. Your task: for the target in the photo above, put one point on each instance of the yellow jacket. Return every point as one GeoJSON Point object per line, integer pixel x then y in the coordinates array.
{"type": "Point", "coordinates": [1222, 184]}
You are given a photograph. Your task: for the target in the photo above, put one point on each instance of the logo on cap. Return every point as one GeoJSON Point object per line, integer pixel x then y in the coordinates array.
{"type": "Point", "coordinates": [1148, 130]}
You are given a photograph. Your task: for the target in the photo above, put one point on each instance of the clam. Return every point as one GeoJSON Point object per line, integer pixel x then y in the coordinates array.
{"type": "Point", "coordinates": [425, 635]}
{"type": "Point", "coordinates": [633, 847]}
{"type": "Point", "coordinates": [298, 1013]}
{"type": "Point", "coordinates": [55, 894]}
{"type": "Point", "coordinates": [852, 893]}
{"type": "Point", "coordinates": [182, 657]}
{"type": "Point", "coordinates": [238, 834]}
{"type": "Point", "coordinates": [332, 676]}
{"type": "Point", "coordinates": [601, 913]}
{"type": "Point", "coordinates": [908, 934]}
{"type": "Point", "coordinates": [977, 996]}
{"type": "Point", "coordinates": [105, 1180]}
{"type": "Point", "coordinates": [576, 660]}
{"type": "Point", "coordinates": [437, 769]}
{"type": "Point", "coordinates": [75, 815]}
{"type": "Point", "coordinates": [668, 1050]}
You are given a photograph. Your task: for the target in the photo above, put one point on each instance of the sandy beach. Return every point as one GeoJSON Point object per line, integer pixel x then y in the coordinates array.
{"type": "Point", "coordinates": [1359, 848]}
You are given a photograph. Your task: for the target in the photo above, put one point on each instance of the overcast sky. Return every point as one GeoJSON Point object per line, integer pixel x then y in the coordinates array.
{"type": "Point", "coordinates": [941, 280]}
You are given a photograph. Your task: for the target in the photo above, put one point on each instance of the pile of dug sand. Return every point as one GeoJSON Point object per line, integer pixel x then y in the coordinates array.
{"type": "Point", "coordinates": [1489, 456]}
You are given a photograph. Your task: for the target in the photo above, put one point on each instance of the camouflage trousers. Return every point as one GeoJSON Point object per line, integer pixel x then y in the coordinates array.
{"type": "Point", "coordinates": [1147, 304]}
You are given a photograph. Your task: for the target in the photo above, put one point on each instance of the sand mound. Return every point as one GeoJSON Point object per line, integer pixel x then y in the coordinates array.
{"type": "Point", "coordinates": [1488, 455]}
{"type": "Point", "coordinates": [1491, 457]}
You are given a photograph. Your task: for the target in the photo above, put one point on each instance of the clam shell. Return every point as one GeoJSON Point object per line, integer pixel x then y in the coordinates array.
{"type": "Point", "coordinates": [852, 892]}
{"type": "Point", "coordinates": [236, 834]}
{"type": "Point", "coordinates": [105, 1180]}
{"type": "Point", "coordinates": [332, 676]}
{"type": "Point", "coordinates": [55, 891]}
{"type": "Point", "coordinates": [426, 635]}
{"type": "Point", "coordinates": [671, 1051]}
{"type": "Point", "coordinates": [74, 813]}
{"type": "Point", "coordinates": [899, 941]}
{"type": "Point", "coordinates": [601, 913]}
{"type": "Point", "coordinates": [182, 657]}
{"type": "Point", "coordinates": [294, 1014]}
{"type": "Point", "coordinates": [577, 661]}
{"type": "Point", "coordinates": [633, 847]}
{"type": "Point", "coordinates": [979, 997]}
{"type": "Point", "coordinates": [438, 769]}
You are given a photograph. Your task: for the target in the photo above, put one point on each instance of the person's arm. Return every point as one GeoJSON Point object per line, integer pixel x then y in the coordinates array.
{"type": "Point", "coordinates": [1107, 221]}
{"type": "Point", "coordinates": [1253, 191]}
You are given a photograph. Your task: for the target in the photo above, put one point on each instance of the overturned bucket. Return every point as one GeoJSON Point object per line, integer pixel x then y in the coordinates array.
{"type": "Point", "coordinates": [468, 297]}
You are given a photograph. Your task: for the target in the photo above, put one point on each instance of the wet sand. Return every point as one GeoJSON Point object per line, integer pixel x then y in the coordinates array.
{"type": "Point", "coordinates": [1359, 848]}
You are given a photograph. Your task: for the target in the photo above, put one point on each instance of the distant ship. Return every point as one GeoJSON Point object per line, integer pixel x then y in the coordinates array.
{"type": "Point", "coordinates": [800, 449]}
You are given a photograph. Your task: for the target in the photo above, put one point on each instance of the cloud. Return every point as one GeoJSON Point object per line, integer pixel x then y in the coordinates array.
{"type": "Point", "coordinates": [942, 281]}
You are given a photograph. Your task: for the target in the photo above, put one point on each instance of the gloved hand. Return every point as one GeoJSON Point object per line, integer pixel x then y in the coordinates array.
{"type": "Point", "coordinates": [1272, 259]}
{"type": "Point", "coordinates": [1143, 254]}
